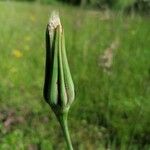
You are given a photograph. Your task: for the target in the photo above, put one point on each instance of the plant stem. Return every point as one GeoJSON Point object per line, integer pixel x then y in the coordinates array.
{"type": "Point", "coordinates": [64, 125]}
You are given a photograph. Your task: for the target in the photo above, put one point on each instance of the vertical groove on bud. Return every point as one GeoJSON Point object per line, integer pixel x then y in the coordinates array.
{"type": "Point", "coordinates": [62, 90]}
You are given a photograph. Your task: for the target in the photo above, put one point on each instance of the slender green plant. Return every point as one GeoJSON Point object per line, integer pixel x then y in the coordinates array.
{"type": "Point", "coordinates": [58, 87]}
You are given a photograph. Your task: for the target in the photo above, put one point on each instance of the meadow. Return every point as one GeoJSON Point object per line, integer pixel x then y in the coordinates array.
{"type": "Point", "coordinates": [109, 57]}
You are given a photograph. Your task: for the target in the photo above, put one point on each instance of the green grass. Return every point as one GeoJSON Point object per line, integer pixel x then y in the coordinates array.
{"type": "Point", "coordinates": [110, 109]}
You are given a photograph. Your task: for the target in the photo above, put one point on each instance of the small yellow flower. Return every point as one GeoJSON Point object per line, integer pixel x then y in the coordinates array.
{"type": "Point", "coordinates": [17, 53]}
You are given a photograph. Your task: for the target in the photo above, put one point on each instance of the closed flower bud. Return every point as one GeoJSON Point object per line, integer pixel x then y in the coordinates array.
{"type": "Point", "coordinates": [58, 88]}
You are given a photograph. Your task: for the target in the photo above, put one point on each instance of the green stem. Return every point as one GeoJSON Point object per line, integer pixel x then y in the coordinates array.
{"type": "Point", "coordinates": [64, 125]}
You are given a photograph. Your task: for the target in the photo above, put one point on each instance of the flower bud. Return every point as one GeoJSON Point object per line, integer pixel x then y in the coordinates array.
{"type": "Point", "coordinates": [58, 86]}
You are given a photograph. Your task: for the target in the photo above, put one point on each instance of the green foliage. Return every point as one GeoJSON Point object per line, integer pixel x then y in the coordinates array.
{"type": "Point", "coordinates": [13, 140]}
{"type": "Point", "coordinates": [111, 108]}
{"type": "Point", "coordinates": [142, 6]}
{"type": "Point", "coordinates": [139, 6]}
{"type": "Point", "coordinates": [47, 1]}
{"type": "Point", "coordinates": [120, 4]}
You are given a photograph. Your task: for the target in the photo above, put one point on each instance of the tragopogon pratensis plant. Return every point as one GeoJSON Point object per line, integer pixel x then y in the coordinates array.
{"type": "Point", "coordinates": [58, 87]}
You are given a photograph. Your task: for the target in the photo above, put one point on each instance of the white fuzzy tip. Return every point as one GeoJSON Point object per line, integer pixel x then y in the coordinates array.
{"type": "Point", "coordinates": [54, 21]}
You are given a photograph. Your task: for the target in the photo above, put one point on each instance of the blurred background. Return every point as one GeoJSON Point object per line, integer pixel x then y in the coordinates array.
{"type": "Point", "coordinates": [108, 48]}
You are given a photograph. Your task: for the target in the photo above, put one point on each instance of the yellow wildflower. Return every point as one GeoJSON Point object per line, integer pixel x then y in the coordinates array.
{"type": "Point", "coordinates": [17, 53]}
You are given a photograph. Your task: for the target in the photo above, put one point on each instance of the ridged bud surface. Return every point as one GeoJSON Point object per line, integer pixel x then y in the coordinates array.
{"type": "Point", "coordinates": [58, 86]}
